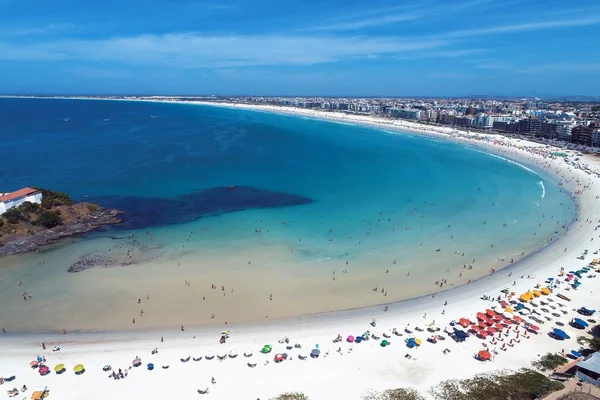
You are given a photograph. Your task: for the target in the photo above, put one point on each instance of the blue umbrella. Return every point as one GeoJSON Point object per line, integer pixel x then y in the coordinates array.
{"type": "Point", "coordinates": [560, 334]}
{"type": "Point", "coordinates": [315, 353]}
{"type": "Point", "coordinates": [576, 353]}
{"type": "Point", "coordinates": [580, 322]}
{"type": "Point", "coordinates": [150, 367]}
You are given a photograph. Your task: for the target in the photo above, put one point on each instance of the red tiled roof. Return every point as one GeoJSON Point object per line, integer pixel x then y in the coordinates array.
{"type": "Point", "coordinates": [17, 194]}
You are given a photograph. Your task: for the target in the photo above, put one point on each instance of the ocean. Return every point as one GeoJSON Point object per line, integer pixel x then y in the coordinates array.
{"type": "Point", "coordinates": [283, 215]}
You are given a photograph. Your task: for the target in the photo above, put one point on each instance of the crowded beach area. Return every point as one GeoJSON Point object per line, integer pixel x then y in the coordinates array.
{"type": "Point", "coordinates": [503, 321]}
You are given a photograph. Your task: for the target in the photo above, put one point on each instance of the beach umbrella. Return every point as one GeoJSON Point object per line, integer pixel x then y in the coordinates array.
{"type": "Point", "coordinates": [315, 353]}
{"type": "Point", "coordinates": [79, 369]}
{"type": "Point", "coordinates": [489, 321]}
{"type": "Point", "coordinates": [59, 369]}
{"type": "Point", "coordinates": [580, 322]}
{"type": "Point", "coordinates": [150, 366]}
{"type": "Point", "coordinates": [498, 326]}
{"type": "Point", "coordinates": [490, 312]}
{"type": "Point", "coordinates": [482, 324]}
{"type": "Point", "coordinates": [575, 353]}
{"type": "Point", "coordinates": [481, 316]}
{"type": "Point", "coordinates": [44, 370]}
{"type": "Point", "coordinates": [210, 355]}
{"type": "Point", "coordinates": [533, 327]}
{"type": "Point", "coordinates": [410, 343]}
{"type": "Point", "coordinates": [491, 330]}
{"type": "Point", "coordinates": [464, 322]}
{"type": "Point", "coordinates": [33, 364]}
{"type": "Point", "coordinates": [302, 356]}
{"type": "Point", "coordinates": [222, 355]}
{"type": "Point", "coordinates": [484, 355]}
{"type": "Point", "coordinates": [39, 359]}
{"type": "Point", "coordinates": [233, 353]}
{"type": "Point", "coordinates": [537, 293]}
{"type": "Point", "coordinates": [279, 357]}
{"type": "Point", "coordinates": [475, 328]}
{"type": "Point", "coordinates": [518, 319]}
{"type": "Point", "coordinates": [418, 342]}
{"type": "Point", "coordinates": [248, 353]}
{"type": "Point", "coordinates": [350, 339]}
{"type": "Point", "coordinates": [560, 334]}
{"type": "Point", "coordinates": [266, 349]}
{"type": "Point", "coordinates": [384, 343]}
{"type": "Point", "coordinates": [524, 297]}
{"type": "Point", "coordinates": [509, 309]}
{"type": "Point", "coordinates": [546, 291]}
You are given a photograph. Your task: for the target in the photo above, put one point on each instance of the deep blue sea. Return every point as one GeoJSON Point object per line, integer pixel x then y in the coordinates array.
{"type": "Point", "coordinates": [327, 191]}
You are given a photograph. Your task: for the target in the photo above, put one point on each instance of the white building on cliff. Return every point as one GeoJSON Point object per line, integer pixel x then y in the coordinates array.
{"type": "Point", "coordinates": [15, 199]}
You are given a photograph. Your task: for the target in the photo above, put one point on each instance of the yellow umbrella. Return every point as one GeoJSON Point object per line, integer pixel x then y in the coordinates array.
{"type": "Point", "coordinates": [510, 310]}
{"type": "Point", "coordinates": [59, 367]}
{"type": "Point", "coordinates": [79, 368]}
{"type": "Point", "coordinates": [418, 342]}
{"type": "Point", "coordinates": [546, 291]}
{"type": "Point", "coordinates": [537, 293]}
{"type": "Point", "coordinates": [595, 261]}
{"type": "Point", "coordinates": [524, 297]}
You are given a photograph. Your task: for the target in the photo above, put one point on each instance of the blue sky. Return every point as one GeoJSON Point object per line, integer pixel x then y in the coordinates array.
{"type": "Point", "coordinates": [303, 47]}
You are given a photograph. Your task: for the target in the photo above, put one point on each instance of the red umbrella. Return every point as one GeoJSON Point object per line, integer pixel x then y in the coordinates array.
{"type": "Point", "coordinates": [499, 326]}
{"type": "Point", "coordinates": [489, 321]}
{"type": "Point", "coordinates": [474, 328]}
{"type": "Point", "coordinates": [464, 322]}
{"type": "Point", "coordinates": [484, 355]}
{"type": "Point", "coordinates": [534, 327]}
{"type": "Point", "coordinates": [481, 316]}
{"type": "Point", "coordinates": [482, 325]}
{"type": "Point", "coordinates": [504, 304]}
{"type": "Point", "coordinates": [489, 312]}
{"type": "Point", "coordinates": [498, 318]}
{"type": "Point", "coordinates": [279, 357]}
{"type": "Point", "coordinates": [518, 319]}
{"type": "Point", "coordinates": [491, 330]}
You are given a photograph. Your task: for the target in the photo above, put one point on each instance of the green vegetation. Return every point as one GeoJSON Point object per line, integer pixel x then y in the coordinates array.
{"type": "Point", "coordinates": [394, 394]}
{"type": "Point", "coordinates": [48, 219]}
{"type": "Point", "coordinates": [92, 207]}
{"type": "Point", "coordinates": [291, 396]}
{"type": "Point", "coordinates": [52, 199]}
{"type": "Point", "coordinates": [29, 208]}
{"type": "Point", "coordinates": [525, 384]}
{"type": "Point", "coordinates": [13, 216]}
{"type": "Point", "coordinates": [549, 361]}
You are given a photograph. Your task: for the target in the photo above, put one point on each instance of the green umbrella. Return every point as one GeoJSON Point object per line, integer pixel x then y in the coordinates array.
{"type": "Point", "coordinates": [266, 349]}
{"type": "Point", "coordinates": [384, 343]}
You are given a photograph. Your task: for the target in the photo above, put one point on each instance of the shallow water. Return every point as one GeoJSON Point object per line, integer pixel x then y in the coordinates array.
{"type": "Point", "coordinates": [378, 201]}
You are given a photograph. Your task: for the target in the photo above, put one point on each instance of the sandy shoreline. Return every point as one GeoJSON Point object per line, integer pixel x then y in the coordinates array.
{"type": "Point", "coordinates": [347, 376]}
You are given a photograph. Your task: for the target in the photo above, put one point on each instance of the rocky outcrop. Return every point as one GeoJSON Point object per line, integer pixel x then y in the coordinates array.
{"type": "Point", "coordinates": [78, 226]}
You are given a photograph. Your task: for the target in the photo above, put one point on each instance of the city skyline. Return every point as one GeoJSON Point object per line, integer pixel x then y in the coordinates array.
{"type": "Point", "coordinates": [417, 49]}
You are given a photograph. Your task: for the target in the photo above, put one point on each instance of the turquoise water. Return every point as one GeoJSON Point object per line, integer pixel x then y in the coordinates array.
{"type": "Point", "coordinates": [379, 199]}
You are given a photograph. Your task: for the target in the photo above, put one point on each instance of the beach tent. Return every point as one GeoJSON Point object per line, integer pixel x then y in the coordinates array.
{"type": "Point", "coordinates": [560, 334]}
{"type": "Point", "coordinates": [459, 335]}
{"type": "Point", "coordinates": [484, 355]}
{"type": "Point", "coordinates": [59, 369]}
{"type": "Point", "coordinates": [79, 369]}
{"type": "Point", "coordinates": [578, 322]}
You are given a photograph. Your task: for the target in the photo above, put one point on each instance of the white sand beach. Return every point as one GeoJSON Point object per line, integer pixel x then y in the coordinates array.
{"type": "Point", "coordinates": [358, 367]}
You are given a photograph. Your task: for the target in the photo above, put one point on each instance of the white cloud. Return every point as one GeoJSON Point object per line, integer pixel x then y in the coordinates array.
{"type": "Point", "coordinates": [366, 22]}
{"type": "Point", "coordinates": [188, 50]}
{"type": "Point", "coordinates": [562, 67]}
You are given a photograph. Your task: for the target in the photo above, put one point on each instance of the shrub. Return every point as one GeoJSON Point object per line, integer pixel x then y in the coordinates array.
{"type": "Point", "coordinates": [92, 208]}
{"type": "Point", "coordinates": [48, 219]}
{"type": "Point", "coordinates": [394, 394]}
{"type": "Point", "coordinates": [524, 384]}
{"type": "Point", "coordinates": [52, 199]}
{"type": "Point", "coordinates": [13, 216]}
{"type": "Point", "coordinates": [1, 222]}
{"type": "Point", "coordinates": [549, 361]}
{"type": "Point", "coordinates": [291, 396]}
{"type": "Point", "coordinates": [29, 208]}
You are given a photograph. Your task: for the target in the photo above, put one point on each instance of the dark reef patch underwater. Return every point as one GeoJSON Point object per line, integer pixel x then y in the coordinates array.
{"type": "Point", "coordinates": [146, 212]}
